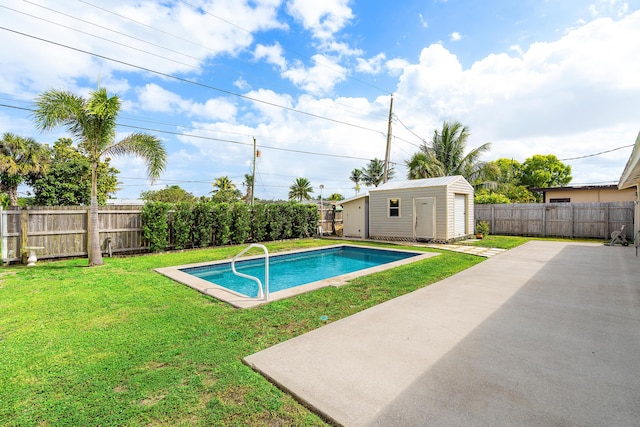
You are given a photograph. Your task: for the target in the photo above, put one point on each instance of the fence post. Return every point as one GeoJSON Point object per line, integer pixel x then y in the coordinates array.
{"type": "Point", "coordinates": [3, 232]}
{"type": "Point", "coordinates": [572, 221]}
{"type": "Point", "coordinates": [88, 242]}
{"type": "Point", "coordinates": [24, 235]}
{"type": "Point", "coordinates": [606, 222]}
{"type": "Point", "coordinates": [544, 220]}
{"type": "Point", "coordinates": [493, 219]}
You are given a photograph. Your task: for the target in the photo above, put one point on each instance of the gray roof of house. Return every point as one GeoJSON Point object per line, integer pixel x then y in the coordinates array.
{"type": "Point", "coordinates": [417, 183]}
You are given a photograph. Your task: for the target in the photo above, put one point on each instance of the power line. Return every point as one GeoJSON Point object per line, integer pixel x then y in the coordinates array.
{"type": "Point", "coordinates": [184, 80]}
{"type": "Point", "coordinates": [102, 38]}
{"type": "Point", "coordinates": [412, 132]}
{"type": "Point", "coordinates": [596, 154]}
{"type": "Point", "coordinates": [221, 140]}
{"type": "Point", "coordinates": [110, 30]}
{"type": "Point", "coordinates": [148, 26]}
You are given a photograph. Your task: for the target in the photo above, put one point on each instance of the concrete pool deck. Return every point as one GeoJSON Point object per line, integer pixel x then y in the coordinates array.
{"type": "Point", "coordinates": [242, 301]}
{"type": "Point", "coordinates": [545, 334]}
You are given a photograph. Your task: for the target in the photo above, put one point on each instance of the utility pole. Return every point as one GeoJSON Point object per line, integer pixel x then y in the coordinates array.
{"type": "Point", "coordinates": [253, 175]}
{"type": "Point", "coordinates": [388, 152]}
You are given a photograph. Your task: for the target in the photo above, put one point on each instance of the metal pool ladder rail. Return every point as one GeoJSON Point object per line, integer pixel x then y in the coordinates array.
{"type": "Point", "coordinates": [261, 294]}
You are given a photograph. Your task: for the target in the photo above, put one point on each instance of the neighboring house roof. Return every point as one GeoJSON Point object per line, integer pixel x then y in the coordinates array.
{"type": "Point", "coordinates": [416, 183]}
{"type": "Point", "coordinates": [581, 187]}
{"type": "Point", "coordinates": [121, 202]}
{"type": "Point", "coordinates": [631, 175]}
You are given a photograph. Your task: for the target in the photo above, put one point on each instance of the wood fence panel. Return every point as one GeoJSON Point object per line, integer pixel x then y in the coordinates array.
{"type": "Point", "coordinates": [574, 220]}
{"type": "Point", "coordinates": [62, 230]}
{"type": "Point", "coordinates": [517, 219]}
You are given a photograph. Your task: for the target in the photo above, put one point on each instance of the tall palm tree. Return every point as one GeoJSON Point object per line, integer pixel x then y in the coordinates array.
{"type": "Point", "coordinates": [356, 178]}
{"type": "Point", "coordinates": [19, 158]}
{"type": "Point", "coordinates": [300, 190]}
{"type": "Point", "coordinates": [373, 173]}
{"type": "Point", "coordinates": [445, 155]}
{"type": "Point", "coordinates": [91, 122]}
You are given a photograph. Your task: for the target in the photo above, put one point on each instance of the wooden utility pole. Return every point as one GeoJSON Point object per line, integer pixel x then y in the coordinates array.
{"type": "Point", "coordinates": [388, 152]}
{"type": "Point", "coordinates": [253, 175]}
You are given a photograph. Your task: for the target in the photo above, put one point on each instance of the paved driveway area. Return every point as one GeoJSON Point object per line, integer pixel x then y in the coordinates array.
{"type": "Point", "coordinates": [544, 334]}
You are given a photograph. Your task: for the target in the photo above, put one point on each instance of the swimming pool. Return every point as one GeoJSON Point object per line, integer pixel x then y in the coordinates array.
{"type": "Point", "coordinates": [289, 273]}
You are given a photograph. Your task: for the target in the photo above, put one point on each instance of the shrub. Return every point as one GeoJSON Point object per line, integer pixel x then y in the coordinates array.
{"type": "Point", "coordinates": [259, 222]}
{"type": "Point", "coordinates": [202, 223]}
{"type": "Point", "coordinates": [240, 222]}
{"type": "Point", "coordinates": [181, 225]}
{"type": "Point", "coordinates": [482, 227]}
{"type": "Point", "coordinates": [222, 224]}
{"type": "Point", "coordinates": [155, 225]}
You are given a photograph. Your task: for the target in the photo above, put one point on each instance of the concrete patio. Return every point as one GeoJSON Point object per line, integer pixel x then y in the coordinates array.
{"type": "Point", "coordinates": [544, 334]}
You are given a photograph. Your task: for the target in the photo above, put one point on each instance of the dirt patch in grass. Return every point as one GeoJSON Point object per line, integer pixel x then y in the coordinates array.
{"type": "Point", "coordinates": [150, 401]}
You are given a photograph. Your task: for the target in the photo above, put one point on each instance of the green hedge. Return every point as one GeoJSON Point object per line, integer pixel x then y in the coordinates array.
{"type": "Point", "coordinates": [205, 223]}
{"type": "Point", "coordinates": [155, 225]}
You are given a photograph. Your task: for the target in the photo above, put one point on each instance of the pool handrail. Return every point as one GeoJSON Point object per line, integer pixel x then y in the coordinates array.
{"type": "Point", "coordinates": [261, 294]}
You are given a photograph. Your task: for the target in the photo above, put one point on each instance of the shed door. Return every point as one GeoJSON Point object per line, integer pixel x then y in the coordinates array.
{"type": "Point", "coordinates": [425, 210]}
{"type": "Point", "coordinates": [353, 221]}
{"type": "Point", "coordinates": [460, 212]}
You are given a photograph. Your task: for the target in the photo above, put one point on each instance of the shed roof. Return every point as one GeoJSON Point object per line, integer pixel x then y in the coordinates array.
{"type": "Point", "coordinates": [417, 183]}
{"type": "Point", "coordinates": [631, 174]}
{"type": "Point", "coordinates": [352, 199]}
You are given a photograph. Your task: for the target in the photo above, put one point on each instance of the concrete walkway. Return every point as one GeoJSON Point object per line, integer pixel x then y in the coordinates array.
{"type": "Point", "coordinates": [466, 249]}
{"type": "Point", "coordinates": [545, 334]}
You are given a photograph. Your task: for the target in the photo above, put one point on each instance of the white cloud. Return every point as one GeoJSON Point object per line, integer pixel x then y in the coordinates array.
{"type": "Point", "coordinates": [152, 97]}
{"type": "Point", "coordinates": [181, 39]}
{"type": "Point", "coordinates": [272, 54]}
{"type": "Point", "coordinates": [424, 23]}
{"type": "Point", "coordinates": [322, 18]}
{"type": "Point", "coordinates": [577, 95]}
{"type": "Point", "coordinates": [455, 36]}
{"type": "Point", "coordinates": [372, 65]}
{"type": "Point", "coordinates": [241, 83]}
{"type": "Point", "coordinates": [318, 79]}
{"type": "Point", "coordinates": [395, 66]}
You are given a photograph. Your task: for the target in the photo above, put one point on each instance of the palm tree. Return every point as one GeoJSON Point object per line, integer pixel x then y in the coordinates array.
{"type": "Point", "coordinates": [301, 190]}
{"type": "Point", "coordinates": [356, 177]}
{"type": "Point", "coordinates": [248, 184]}
{"type": "Point", "coordinates": [444, 156]}
{"type": "Point", "coordinates": [224, 190]}
{"type": "Point", "coordinates": [19, 158]}
{"type": "Point", "coordinates": [92, 123]}
{"type": "Point", "coordinates": [373, 173]}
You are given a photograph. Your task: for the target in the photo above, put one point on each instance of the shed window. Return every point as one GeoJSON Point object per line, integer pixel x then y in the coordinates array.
{"type": "Point", "coordinates": [394, 207]}
{"type": "Point", "coordinates": [560, 200]}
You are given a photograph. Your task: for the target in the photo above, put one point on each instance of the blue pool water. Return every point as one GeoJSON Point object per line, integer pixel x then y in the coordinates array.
{"type": "Point", "coordinates": [290, 270]}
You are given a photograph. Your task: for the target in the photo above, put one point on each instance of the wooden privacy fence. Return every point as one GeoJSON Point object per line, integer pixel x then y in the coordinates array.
{"type": "Point", "coordinates": [62, 231]}
{"type": "Point", "coordinates": [573, 220]}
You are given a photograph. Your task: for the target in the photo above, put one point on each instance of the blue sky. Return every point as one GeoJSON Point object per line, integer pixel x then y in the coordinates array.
{"type": "Point", "coordinates": [311, 81]}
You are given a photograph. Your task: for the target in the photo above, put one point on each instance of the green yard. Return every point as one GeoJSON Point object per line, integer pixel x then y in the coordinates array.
{"type": "Point", "coordinates": [122, 345]}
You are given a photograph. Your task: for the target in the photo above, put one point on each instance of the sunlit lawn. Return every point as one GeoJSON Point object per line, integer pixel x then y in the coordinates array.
{"type": "Point", "coordinates": [122, 345]}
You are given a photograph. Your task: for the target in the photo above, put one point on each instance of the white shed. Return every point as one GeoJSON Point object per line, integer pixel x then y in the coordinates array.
{"type": "Point", "coordinates": [439, 209]}
{"type": "Point", "coordinates": [355, 217]}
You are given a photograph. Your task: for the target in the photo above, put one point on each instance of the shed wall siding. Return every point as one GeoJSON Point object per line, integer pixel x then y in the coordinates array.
{"type": "Point", "coordinates": [459, 187]}
{"type": "Point", "coordinates": [383, 226]}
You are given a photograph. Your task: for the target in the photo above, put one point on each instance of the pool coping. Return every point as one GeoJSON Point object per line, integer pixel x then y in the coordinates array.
{"type": "Point", "coordinates": [241, 301]}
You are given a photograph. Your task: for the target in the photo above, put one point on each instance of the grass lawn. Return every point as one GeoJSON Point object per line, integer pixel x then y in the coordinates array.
{"type": "Point", "coordinates": [510, 242]}
{"type": "Point", "coordinates": [120, 345]}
